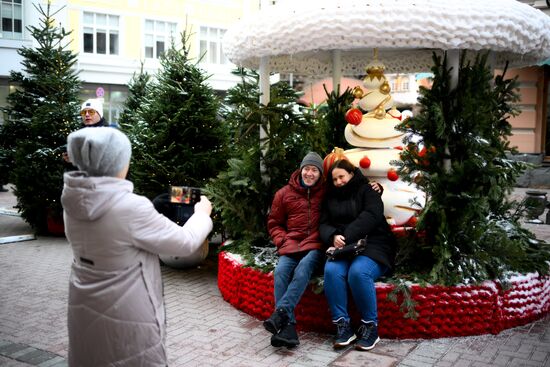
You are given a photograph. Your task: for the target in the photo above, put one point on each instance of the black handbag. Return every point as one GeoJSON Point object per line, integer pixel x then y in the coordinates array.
{"type": "Point", "coordinates": [348, 251]}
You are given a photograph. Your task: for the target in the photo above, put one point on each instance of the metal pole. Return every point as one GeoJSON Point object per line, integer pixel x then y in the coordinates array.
{"type": "Point", "coordinates": [453, 60]}
{"type": "Point", "coordinates": [336, 69]}
{"type": "Point", "coordinates": [264, 80]}
{"type": "Point", "coordinates": [491, 60]}
{"type": "Point", "coordinates": [264, 100]}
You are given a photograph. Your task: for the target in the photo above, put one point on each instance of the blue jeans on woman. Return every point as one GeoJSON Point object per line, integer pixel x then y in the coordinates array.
{"type": "Point", "coordinates": [359, 273]}
{"type": "Point", "coordinates": [291, 276]}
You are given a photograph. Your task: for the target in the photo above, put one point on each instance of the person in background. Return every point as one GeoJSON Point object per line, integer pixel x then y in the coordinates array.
{"type": "Point", "coordinates": [353, 211]}
{"type": "Point", "coordinates": [116, 312]}
{"type": "Point", "coordinates": [92, 114]}
{"type": "Point", "coordinates": [293, 224]}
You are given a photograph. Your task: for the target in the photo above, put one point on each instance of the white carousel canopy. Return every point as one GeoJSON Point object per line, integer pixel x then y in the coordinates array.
{"type": "Point", "coordinates": [299, 36]}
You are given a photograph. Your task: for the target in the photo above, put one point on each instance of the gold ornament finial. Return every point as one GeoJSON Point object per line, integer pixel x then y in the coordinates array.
{"type": "Point", "coordinates": [375, 69]}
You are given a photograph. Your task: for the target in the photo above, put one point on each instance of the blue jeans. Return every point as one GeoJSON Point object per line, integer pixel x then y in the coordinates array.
{"type": "Point", "coordinates": [359, 273]}
{"type": "Point", "coordinates": [291, 278]}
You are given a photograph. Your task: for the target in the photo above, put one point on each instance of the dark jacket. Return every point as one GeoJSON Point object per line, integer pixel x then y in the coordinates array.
{"type": "Point", "coordinates": [293, 222]}
{"type": "Point", "coordinates": [355, 211]}
{"type": "Point", "coordinates": [101, 122]}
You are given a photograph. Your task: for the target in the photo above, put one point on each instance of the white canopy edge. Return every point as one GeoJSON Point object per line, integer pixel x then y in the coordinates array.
{"type": "Point", "coordinates": [300, 36]}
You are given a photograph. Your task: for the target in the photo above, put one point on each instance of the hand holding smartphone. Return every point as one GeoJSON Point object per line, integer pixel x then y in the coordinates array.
{"type": "Point", "coordinates": [185, 195]}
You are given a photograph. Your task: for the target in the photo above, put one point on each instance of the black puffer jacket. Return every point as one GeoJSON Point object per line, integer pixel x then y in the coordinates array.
{"type": "Point", "coordinates": [355, 211]}
{"type": "Point", "coordinates": [101, 122]}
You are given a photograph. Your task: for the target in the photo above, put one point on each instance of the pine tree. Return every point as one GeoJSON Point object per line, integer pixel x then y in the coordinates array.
{"type": "Point", "coordinates": [41, 113]}
{"type": "Point", "coordinates": [469, 233]}
{"type": "Point", "coordinates": [138, 90]}
{"type": "Point", "coordinates": [182, 141]}
{"type": "Point", "coordinates": [334, 113]}
{"type": "Point", "coordinates": [130, 119]}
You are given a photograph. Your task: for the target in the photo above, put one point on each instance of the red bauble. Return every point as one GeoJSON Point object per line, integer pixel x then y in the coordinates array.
{"type": "Point", "coordinates": [354, 116]}
{"type": "Point", "coordinates": [412, 222]}
{"type": "Point", "coordinates": [364, 162]}
{"type": "Point", "coordinates": [422, 152]}
{"type": "Point", "coordinates": [392, 175]}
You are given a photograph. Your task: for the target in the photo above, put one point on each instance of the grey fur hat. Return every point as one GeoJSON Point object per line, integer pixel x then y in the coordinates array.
{"type": "Point", "coordinates": [100, 151]}
{"type": "Point", "coordinates": [312, 159]}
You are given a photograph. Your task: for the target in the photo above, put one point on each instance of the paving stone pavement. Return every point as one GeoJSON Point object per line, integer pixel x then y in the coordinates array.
{"type": "Point", "coordinates": [204, 330]}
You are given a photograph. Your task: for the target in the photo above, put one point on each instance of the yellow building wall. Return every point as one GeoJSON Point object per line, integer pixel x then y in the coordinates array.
{"type": "Point", "coordinates": [193, 13]}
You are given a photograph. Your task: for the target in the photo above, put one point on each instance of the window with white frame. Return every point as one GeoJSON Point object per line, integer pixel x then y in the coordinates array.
{"type": "Point", "coordinates": [211, 45]}
{"type": "Point", "coordinates": [11, 13]}
{"type": "Point", "coordinates": [100, 35]}
{"type": "Point", "coordinates": [158, 36]}
{"type": "Point", "coordinates": [400, 84]}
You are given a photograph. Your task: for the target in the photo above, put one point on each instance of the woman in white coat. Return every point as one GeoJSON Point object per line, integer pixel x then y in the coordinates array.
{"type": "Point", "coordinates": [116, 308]}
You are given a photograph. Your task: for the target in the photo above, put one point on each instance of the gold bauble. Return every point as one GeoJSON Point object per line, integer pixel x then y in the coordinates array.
{"type": "Point", "coordinates": [357, 92]}
{"type": "Point", "coordinates": [385, 88]}
{"type": "Point", "coordinates": [379, 113]}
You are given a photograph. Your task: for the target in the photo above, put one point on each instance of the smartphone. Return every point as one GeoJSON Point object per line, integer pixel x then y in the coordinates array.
{"type": "Point", "coordinates": [185, 195]}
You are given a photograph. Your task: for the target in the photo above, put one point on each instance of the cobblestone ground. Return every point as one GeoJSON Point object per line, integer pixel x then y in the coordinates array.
{"type": "Point", "coordinates": [204, 330]}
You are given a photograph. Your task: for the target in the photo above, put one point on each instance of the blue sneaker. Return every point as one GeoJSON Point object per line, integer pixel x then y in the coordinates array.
{"type": "Point", "coordinates": [344, 333]}
{"type": "Point", "coordinates": [368, 336]}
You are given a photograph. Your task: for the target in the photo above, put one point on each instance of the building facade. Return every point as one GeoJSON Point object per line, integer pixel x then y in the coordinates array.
{"type": "Point", "coordinates": [531, 133]}
{"type": "Point", "coordinates": [113, 38]}
{"type": "Point", "coordinates": [531, 129]}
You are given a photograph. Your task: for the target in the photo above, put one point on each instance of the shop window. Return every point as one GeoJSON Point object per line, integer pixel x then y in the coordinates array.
{"type": "Point", "coordinates": [113, 98]}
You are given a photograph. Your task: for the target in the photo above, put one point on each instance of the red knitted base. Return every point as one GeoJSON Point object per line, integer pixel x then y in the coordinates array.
{"type": "Point", "coordinates": [443, 311]}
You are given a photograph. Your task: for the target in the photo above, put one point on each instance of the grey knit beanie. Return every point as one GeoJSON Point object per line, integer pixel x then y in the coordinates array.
{"type": "Point", "coordinates": [312, 159]}
{"type": "Point", "coordinates": [100, 151]}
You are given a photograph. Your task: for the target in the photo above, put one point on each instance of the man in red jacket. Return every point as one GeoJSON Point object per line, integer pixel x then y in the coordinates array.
{"type": "Point", "coordinates": [293, 225]}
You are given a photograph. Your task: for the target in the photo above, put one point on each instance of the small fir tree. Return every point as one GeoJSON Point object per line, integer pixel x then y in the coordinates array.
{"type": "Point", "coordinates": [242, 193]}
{"type": "Point", "coordinates": [468, 231]}
{"type": "Point", "coordinates": [131, 120]}
{"type": "Point", "coordinates": [40, 114]}
{"type": "Point", "coordinates": [334, 112]}
{"type": "Point", "coordinates": [181, 140]}
{"type": "Point", "coordinates": [138, 90]}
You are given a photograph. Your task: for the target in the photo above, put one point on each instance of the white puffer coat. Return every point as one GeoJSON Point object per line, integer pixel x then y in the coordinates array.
{"type": "Point", "coordinates": [116, 307]}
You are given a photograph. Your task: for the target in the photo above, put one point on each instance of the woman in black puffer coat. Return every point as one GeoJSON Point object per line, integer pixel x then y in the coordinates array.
{"type": "Point", "coordinates": [352, 211]}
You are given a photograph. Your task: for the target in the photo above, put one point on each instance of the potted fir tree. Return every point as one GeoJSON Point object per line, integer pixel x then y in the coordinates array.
{"type": "Point", "coordinates": [40, 114]}
{"type": "Point", "coordinates": [172, 121]}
